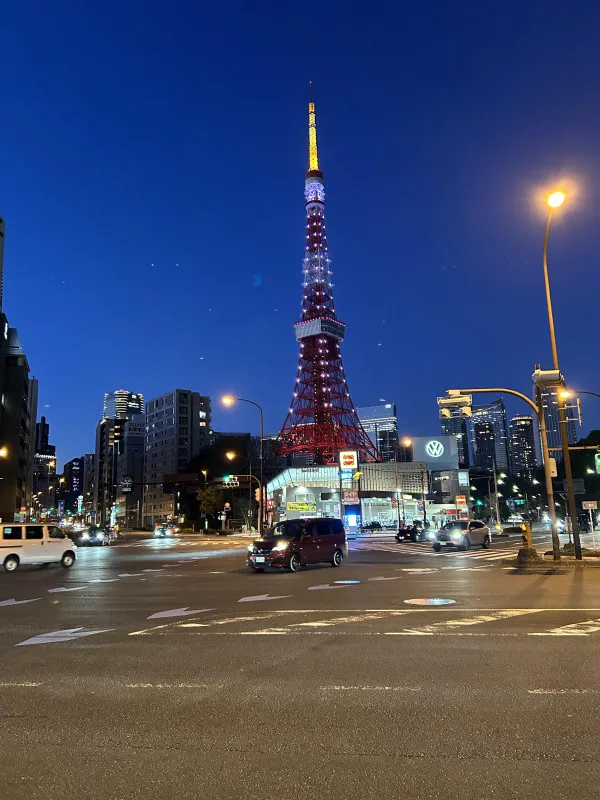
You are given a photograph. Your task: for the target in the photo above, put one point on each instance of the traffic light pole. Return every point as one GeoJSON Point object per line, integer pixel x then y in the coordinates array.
{"type": "Point", "coordinates": [539, 411]}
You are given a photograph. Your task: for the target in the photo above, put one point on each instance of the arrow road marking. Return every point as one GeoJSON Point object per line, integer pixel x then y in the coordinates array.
{"type": "Point", "coordinates": [64, 589]}
{"type": "Point", "coordinates": [263, 597]}
{"type": "Point", "coordinates": [67, 635]}
{"type": "Point", "coordinates": [186, 611]}
{"type": "Point", "coordinates": [13, 602]}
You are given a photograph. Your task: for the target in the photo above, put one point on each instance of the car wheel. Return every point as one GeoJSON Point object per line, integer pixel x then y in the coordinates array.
{"type": "Point", "coordinates": [295, 563]}
{"type": "Point", "coordinates": [11, 563]}
{"type": "Point", "coordinates": [437, 547]}
{"type": "Point", "coordinates": [337, 558]}
{"type": "Point", "coordinates": [67, 560]}
{"type": "Point", "coordinates": [486, 543]}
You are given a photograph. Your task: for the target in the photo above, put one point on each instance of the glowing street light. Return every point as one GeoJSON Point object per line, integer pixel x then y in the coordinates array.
{"type": "Point", "coordinates": [227, 400]}
{"type": "Point", "coordinates": [406, 442]}
{"type": "Point", "coordinates": [3, 452]}
{"type": "Point", "coordinates": [230, 455]}
{"type": "Point", "coordinates": [556, 199]}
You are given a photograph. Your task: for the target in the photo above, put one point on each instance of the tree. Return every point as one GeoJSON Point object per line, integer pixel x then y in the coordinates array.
{"type": "Point", "coordinates": [210, 501]}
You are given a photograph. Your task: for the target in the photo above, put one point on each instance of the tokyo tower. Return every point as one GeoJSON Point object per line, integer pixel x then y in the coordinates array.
{"type": "Point", "coordinates": [322, 419]}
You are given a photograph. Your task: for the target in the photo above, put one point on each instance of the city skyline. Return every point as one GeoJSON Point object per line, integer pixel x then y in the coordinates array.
{"type": "Point", "coordinates": [57, 225]}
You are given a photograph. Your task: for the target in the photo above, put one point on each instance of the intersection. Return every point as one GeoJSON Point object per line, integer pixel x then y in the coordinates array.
{"type": "Point", "coordinates": [168, 663]}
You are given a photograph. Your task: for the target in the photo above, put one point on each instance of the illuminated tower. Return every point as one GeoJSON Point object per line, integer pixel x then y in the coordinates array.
{"type": "Point", "coordinates": [322, 419]}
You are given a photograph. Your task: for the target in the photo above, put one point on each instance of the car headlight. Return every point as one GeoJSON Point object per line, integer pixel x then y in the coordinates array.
{"type": "Point", "coordinates": [250, 548]}
{"type": "Point", "coordinates": [281, 546]}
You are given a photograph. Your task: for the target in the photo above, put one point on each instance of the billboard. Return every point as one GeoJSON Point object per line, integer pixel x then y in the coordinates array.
{"type": "Point", "coordinates": [297, 506]}
{"type": "Point", "coordinates": [438, 452]}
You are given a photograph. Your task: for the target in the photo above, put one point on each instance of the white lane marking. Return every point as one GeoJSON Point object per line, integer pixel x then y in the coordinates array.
{"type": "Point", "coordinates": [370, 688]}
{"type": "Point", "coordinates": [186, 611]}
{"type": "Point", "coordinates": [574, 629]}
{"type": "Point", "coordinates": [13, 602]}
{"type": "Point", "coordinates": [563, 691]}
{"type": "Point", "coordinates": [421, 570]}
{"type": "Point", "coordinates": [129, 574]}
{"type": "Point", "coordinates": [103, 580]}
{"type": "Point", "coordinates": [328, 586]}
{"type": "Point", "coordinates": [327, 623]}
{"type": "Point", "coordinates": [174, 685]}
{"type": "Point", "coordinates": [27, 684]}
{"type": "Point", "coordinates": [443, 627]}
{"type": "Point", "coordinates": [227, 621]}
{"type": "Point", "coordinates": [67, 635]}
{"type": "Point", "coordinates": [157, 569]}
{"type": "Point", "coordinates": [381, 578]}
{"type": "Point", "coordinates": [64, 589]}
{"type": "Point", "coordinates": [255, 597]}
{"type": "Point", "coordinates": [216, 573]}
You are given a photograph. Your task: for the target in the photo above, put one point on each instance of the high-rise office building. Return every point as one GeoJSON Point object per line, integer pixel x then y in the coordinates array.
{"type": "Point", "coordinates": [523, 459]}
{"type": "Point", "coordinates": [380, 423]}
{"type": "Point", "coordinates": [2, 232]}
{"type": "Point", "coordinates": [87, 489]}
{"type": "Point", "coordinates": [18, 410]}
{"type": "Point", "coordinates": [484, 445]}
{"type": "Point", "coordinates": [108, 434]}
{"type": "Point", "coordinates": [42, 438]}
{"type": "Point", "coordinates": [122, 404]}
{"type": "Point", "coordinates": [130, 472]}
{"type": "Point", "coordinates": [456, 425]}
{"type": "Point", "coordinates": [72, 484]}
{"type": "Point", "coordinates": [550, 406]}
{"type": "Point", "coordinates": [177, 428]}
{"type": "Point", "coordinates": [495, 414]}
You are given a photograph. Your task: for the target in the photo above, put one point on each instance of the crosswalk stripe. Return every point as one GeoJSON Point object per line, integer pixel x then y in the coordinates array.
{"type": "Point", "coordinates": [574, 629]}
{"type": "Point", "coordinates": [437, 627]}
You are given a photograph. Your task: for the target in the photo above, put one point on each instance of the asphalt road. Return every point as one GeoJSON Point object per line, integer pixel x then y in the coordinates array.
{"type": "Point", "coordinates": [165, 669]}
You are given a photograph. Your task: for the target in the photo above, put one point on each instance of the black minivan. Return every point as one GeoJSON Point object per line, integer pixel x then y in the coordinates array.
{"type": "Point", "coordinates": [297, 542]}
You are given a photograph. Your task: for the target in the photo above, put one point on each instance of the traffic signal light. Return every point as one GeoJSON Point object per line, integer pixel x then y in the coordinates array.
{"type": "Point", "coordinates": [597, 460]}
{"type": "Point", "coordinates": [257, 495]}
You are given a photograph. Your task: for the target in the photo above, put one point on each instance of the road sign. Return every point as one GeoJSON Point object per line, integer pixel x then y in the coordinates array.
{"type": "Point", "coordinates": [127, 484]}
{"type": "Point", "coordinates": [578, 486]}
{"type": "Point", "coordinates": [590, 505]}
{"type": "Point", "coordinates": [461, 500]}
{"type": "Point", "coordinates": [350, 497]}
{"type": "Point", "coordinates": [348, 459]}
{"type": "Point", "coordinates": [553, 470]}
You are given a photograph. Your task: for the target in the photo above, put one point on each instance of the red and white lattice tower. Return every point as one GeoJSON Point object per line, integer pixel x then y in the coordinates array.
{"type": "Point", "coordinates": [322, 419]}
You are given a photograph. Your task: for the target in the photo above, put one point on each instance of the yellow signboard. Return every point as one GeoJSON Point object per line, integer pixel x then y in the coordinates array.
{"type": "Point", "coordinates": [291, 506]}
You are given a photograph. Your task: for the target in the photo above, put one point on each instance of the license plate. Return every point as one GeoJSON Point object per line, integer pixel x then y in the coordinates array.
{"type": "Point", "coordinates": [259, 559]}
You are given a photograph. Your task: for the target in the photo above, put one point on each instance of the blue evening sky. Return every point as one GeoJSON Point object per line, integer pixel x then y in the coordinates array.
{"type": "Point", "coordinates": [151, 179]}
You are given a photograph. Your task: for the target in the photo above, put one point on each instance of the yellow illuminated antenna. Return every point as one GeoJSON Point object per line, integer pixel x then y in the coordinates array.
{"type": "Point", "coordinates": [313, 156]}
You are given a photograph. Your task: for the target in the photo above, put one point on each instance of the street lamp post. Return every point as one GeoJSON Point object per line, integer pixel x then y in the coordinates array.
{"type": "Point", "coordinates": [555, 200]}
{"type": "Point", "coordinates": [229, 400]}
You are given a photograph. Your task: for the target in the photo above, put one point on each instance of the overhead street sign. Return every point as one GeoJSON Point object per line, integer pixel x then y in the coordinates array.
{"type": "Point", "coordinates": [590, 505]}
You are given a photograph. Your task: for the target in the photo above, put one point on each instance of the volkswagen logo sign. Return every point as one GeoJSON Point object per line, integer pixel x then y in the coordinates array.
{"type": "Point", "coordinates": [434, 449]}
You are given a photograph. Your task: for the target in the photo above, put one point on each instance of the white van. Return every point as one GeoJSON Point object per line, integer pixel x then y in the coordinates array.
{"type": "Point", "coordinates": [32, 543]}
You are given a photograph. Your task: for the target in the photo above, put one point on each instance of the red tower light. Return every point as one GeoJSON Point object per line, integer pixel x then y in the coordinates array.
{"type": "Point", "coordinates": [322, 419]}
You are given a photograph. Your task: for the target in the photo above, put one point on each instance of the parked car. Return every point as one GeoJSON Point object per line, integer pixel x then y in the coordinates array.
{"type": "Point", "coordinates": [295, 543]}
{"type": "Point", "coordinates": [35, 544]}
{"type": "Point", "coordinates": [94, 535]}
{"type": "Point", "coordinates": [462, 534]}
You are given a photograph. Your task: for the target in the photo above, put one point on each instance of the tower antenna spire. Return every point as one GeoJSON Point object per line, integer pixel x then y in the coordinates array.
{"type": "Point", "coordinates": [313, 155]}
